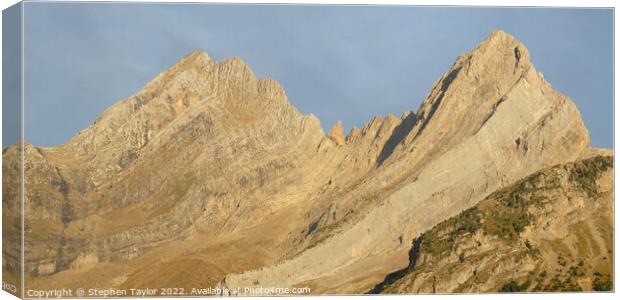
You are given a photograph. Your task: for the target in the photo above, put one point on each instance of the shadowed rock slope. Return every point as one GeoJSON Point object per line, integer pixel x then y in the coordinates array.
{"type": "Point", "coordinates": [552, 231]}
{"type": "Point", "coordinates": [210, 176]}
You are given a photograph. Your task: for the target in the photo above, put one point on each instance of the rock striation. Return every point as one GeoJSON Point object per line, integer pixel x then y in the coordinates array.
{"type": "Point", "coordinates": [210, 166]}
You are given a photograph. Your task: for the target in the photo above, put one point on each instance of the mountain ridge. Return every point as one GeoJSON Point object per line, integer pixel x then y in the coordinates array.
{"type": "Point", "coordinates": [207, 157]}
{"type": "Point", "coordinates": [522, 233]}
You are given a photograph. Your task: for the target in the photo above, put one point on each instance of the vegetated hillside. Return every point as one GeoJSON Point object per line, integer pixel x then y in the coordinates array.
{"type": "Point", "coordinates": [552, 231]}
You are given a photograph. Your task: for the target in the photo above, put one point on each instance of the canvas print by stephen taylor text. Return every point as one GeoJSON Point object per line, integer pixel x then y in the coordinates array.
{"type": "Point", "coordinates": [195, 149]}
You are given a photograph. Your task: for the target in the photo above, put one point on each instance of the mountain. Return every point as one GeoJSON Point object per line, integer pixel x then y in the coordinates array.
{"type": "Point", "coordinates": [551, 231]}
{"type": "Point", "coordinates": [209, 176]}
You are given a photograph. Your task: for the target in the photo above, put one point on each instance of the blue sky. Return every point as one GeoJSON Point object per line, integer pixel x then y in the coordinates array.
{"type": "Point", "coordinates": [344, 63]}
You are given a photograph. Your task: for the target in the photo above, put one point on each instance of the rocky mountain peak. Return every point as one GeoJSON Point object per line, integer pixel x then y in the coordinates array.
{"type": "Point", "coordinates": [502, 52]}
{"type": "Point", "coordinates": [407, 114]}
{"type": "Point", "coordinates": [235, 67]}
{"type": "Point", "coordinates": [470, 92]}
{"type": "Point", "coordinates": [336, 133]}
{"type": "Point", "coordinates": [500, 37]}
{"type": "Point", "coordinates": [195, 57]}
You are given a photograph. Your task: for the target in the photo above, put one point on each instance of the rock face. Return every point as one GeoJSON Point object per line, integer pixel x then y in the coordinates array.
{"type": "Point", "coordinates": [552, 231]}
{"type": "Point", "coordinates": [336, 134]}
{"type": "Point", "coordinates": [210, 176]}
